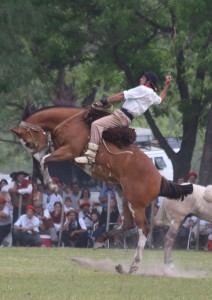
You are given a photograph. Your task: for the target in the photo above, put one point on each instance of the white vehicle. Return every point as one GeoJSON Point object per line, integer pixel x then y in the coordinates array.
{"type": "Point", "coordinates": [158, 156]}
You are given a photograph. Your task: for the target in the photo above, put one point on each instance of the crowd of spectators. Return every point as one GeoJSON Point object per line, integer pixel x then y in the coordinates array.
{"type": "Point", "coordinates": [70, 217]}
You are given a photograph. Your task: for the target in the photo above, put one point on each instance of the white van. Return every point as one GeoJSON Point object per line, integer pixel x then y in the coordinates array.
{"type": "Point", "coordinates": [158, 156]}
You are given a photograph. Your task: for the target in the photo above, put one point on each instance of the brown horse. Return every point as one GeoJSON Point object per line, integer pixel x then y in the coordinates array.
{"type": "Point", "coordinates": [138, 179]}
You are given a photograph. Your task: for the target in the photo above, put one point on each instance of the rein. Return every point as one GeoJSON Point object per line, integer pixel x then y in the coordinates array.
{"type": "Point", "coordinates": [117, 153]}
{"type": "Point", "coordinates": [66, 120]}
{"type": "Point", "coordinates": [49, 145]}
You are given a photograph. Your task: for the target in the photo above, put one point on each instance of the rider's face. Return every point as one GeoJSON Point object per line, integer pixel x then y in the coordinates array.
{"type": "Point", "coordinates": [143, 80]}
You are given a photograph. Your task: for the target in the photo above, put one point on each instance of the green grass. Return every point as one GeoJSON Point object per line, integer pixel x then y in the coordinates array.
{"type": "Point", "coordinates": [40, 273]}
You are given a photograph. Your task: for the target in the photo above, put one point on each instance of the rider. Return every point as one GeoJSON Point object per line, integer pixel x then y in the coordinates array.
{"type": "Point", "coordinates": [136, 102]}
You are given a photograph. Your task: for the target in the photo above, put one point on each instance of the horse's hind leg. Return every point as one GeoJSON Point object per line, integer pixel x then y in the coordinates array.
{"type": "Point", "coordinates": [169, 241]}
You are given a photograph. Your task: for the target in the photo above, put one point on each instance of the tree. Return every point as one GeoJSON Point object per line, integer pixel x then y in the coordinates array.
{"type": "Point", "coordinates": [205, 177]}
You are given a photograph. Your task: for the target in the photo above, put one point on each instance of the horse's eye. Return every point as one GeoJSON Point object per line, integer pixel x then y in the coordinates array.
{"type": "Point", "coordinates": [27, 144]}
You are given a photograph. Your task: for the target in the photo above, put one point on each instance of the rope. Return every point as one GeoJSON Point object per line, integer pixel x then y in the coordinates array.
{"type": "Point", "coordinates": [117, 153]}
{"type": "Point", "coordinates": [66, 120]}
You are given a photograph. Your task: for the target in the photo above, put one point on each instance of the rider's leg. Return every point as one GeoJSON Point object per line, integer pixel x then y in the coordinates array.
{"type": "Point", "coordinates": [118, 118]}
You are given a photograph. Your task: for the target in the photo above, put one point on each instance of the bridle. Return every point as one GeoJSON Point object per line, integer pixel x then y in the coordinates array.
{"type": "Point", "coordinates": [30, 128]}
{"type": "Point", "coordinates": [49, 144]}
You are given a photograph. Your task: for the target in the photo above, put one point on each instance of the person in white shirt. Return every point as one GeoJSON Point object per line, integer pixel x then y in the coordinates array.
{"type": "Point", "coordinates": [20, 190]}
{"type": "Point", "coordinates": [49, 199]}
{"type": "Point", "coordinates": [74, 231]}
{"type": "Point", "coordinates": [46, 226]}
{"type": "Point", "coordinates": [5, 220]}
{"type": "Point", "coordinates": [136, 102]}
{"type": "Point", "coordinates": [26, 229]}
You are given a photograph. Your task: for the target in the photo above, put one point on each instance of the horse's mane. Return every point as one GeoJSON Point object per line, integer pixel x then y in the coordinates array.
{"type": "Point", "coordinates": [30, 109]}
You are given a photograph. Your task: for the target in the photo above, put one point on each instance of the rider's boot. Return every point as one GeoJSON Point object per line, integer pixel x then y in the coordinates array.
{"type": "Point", "coordinates": [90, 155]}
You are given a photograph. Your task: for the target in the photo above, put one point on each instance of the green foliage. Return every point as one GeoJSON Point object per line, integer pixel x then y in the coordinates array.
{"type": "Point", "coordinates": [105, 45]}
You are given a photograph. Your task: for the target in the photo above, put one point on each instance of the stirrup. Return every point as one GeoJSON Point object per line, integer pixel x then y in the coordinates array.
{"type": "Point", "coordinates": [81, 160]}
{"type": "Point", "coordinates": [85, 160]}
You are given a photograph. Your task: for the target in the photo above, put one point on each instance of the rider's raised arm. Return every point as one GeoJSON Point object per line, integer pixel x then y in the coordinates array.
{"type": "Point", "coordinates": [165, 89]}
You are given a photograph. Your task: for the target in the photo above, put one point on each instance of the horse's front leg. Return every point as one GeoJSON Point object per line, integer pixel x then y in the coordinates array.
{"type": "Point", "coordinates": [60, 154]}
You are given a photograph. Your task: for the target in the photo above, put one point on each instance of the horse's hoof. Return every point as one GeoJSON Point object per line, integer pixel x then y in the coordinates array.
{"type": "Point", "coordinates": [170, 266]}
{"type": "Point", "coordinates": [120, 269]}
{"type": "Point", "coordinates": [53, 187]}
{"type": "Point", "coordinates": [98, 245]}
{"type": "Point", "coordinates": [133, 269]}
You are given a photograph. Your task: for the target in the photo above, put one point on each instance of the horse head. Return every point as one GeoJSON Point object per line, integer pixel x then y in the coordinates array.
{"type": "Point", "coordinates": [32, 137]}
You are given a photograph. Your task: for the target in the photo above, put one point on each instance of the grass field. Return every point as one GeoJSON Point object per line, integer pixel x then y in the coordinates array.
{"type": "Point", "coordinates": [41, 273]}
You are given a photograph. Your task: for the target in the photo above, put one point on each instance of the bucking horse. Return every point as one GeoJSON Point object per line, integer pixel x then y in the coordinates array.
{"type": "Point", "coordinates": [62, 133]}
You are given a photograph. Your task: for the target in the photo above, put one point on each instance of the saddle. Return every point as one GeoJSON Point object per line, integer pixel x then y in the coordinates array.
{"type": "Point", "coordinates": [119, 136]}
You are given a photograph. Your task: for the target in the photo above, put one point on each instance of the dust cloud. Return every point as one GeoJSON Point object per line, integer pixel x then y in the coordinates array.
{"type": "Point", "coordinates": [153, 269]}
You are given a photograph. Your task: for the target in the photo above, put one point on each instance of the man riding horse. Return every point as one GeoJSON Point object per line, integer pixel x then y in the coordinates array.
{"type": "Point", "coordinates": [136, 102]}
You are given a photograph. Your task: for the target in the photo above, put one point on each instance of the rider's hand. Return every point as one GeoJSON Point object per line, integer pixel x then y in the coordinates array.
{"type": "Point", "coordinates": [99, 104]}
{"type": "Point", "coordinates": [168, 79]}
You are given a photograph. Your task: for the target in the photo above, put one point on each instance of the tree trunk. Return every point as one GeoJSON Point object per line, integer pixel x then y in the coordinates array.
{"type": "Point", "coordinates": [205, 174]}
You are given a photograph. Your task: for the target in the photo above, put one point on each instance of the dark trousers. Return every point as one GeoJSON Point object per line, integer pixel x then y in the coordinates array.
{"type": "Point", "coordinates": [4, 231]}
{"type": "Point", "coordinates": [27, 239]}
{"type": "Point", "coordinates": [79, 240]}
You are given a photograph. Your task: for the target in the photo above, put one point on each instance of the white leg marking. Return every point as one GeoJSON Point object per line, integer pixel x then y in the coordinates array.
{"type": "Point", "coordinates": [120, 208]}
{"type": "Point", "coordinates": [138, 253]}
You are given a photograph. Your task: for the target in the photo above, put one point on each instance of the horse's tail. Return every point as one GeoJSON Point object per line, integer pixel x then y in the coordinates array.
{"type": "Point", "coordinates": [173, 190]}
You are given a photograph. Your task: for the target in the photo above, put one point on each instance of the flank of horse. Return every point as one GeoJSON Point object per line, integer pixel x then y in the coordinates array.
{"type": "Point", "coordinates": [173, 213]}
{"type": "Point", "coordinates": [137, 179]}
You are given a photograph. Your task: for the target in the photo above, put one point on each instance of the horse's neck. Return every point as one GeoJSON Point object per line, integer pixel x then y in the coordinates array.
{"type": "Point", "coordinates": [49, 119]}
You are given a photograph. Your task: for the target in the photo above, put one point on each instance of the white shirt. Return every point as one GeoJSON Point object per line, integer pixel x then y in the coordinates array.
{"type": "Point", "coordinates": [75, 199]}
{"type": "Point", "coordinates": [45, 214]}
{"type": "Point", "coordinates": [27, 190]}
{"type": "Point", "coordinates": [49, 201]}
{"type": "Point", "coordinates": [24, 221]}
{"type": "Point", "coordinates": [139, 99]}
{"type": "Point", "coordinates": [7, 220]}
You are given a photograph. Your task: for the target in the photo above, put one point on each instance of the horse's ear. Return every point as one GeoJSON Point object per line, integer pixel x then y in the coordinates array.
{"type": "Point", "coordinates": [15, 130]}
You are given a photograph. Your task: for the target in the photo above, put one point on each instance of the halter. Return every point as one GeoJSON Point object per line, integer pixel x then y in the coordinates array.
{"type": "Point", "coordinates": [30, 128]}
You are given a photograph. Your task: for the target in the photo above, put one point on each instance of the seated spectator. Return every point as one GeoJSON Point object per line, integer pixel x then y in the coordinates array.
{"type": "Point", "coordinates": [114, 215]}
{"type": "Point", "coordinates": [37, 195]}
{"type": "Point", "coordinates": [68, 204]}
{"type": "Point", "coordinates": [183, 234]}
{"type": "Point", "coordinates": [201, 229]}
{"type": "Point", "coordinates": [75, 195]}
{"type": "Point", "coordinates": [93, 232]}
{"type": "Point", "coordinates": [84, 197]}
{"type": "Point", "coordinates": [192, 177]}
{"type": "Point", "coordinates": [66, 191]}
{"type": "Point", "coordinates": [85, 214]}
{"type": "Point", "coordinates": [19, 189]}
{"type": "Point", "coordinates": [180, 180]}
{"type": "Point", "coordinates": [46, 225]}
{"type": "Point", "coordinates": [109, 189]}
{"type": "Point", "coordinates": [5, 220]}
{"type": "Point", "coordinates": [74, 231]}
{"type": "Point", "coordinates": [49, 199]}
{"type": "Point", "coordinates": [56, 216]}
{"type": "Point", "coordinates": [113, 218]}
{"type": "Point", "coordinates": [26, 229]}
{"type": "Point", "coordinates": [6, 195]}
